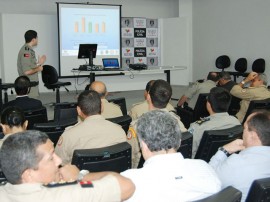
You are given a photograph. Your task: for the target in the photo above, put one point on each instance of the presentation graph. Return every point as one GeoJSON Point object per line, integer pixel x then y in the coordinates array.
{"type": "Point", "coordinates": [88, 26]}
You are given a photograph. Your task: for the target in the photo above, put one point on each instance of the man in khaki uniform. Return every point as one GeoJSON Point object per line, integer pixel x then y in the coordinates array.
{"type": "Point", "coordinates": [192, 94]}
{"type": "Point", "coordinates": [257, 91]}
{"type": "Point", "coordinates": [110, 110]}
{"type": "Point", "coordinates": [217, 105]}
{"type": "Point", "coordinates": [140, 108]}
{"type": "Point", "coordinates": [159, 95]}
{"type": "Point", "coordinates": [31, 166]}
{"type": "Point", "coordinates": [93, 132]}
{"type": "Point", "coordinates": [27, 62]}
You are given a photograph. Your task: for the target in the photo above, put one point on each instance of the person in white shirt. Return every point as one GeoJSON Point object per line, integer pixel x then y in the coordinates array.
{"type": "Point", "coordinates": [166, 175]}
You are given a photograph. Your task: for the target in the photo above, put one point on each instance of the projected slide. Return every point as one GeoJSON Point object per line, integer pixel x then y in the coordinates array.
{"type": "Point", "coordinates": [82, 25]}
{"type": "Point", "coordinates": [87, 24]}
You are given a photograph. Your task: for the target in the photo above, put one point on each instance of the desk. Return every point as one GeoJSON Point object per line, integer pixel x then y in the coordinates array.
{"type": "Point", "coordinates": [150, 71]}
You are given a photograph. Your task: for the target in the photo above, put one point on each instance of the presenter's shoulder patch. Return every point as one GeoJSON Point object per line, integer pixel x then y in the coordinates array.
{"type": "Point", "coordinates": [26, 55]}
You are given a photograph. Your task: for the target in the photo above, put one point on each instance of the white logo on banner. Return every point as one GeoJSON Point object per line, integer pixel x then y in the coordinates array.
{"type": "Point", "coordinates": [140, 60]}
{"type": "Point", "coordinates": [127, 32]}
{"type": "Point", "coordinates": [139, 42]}
{"type": "Point", "coordinates": [139, 22]}
{"type": "Point", "coordinates": [152, 33]}
{"type": "Point", "coordinates": [152, 52]}
{"type": "Point", "coordinates": [127, 52]}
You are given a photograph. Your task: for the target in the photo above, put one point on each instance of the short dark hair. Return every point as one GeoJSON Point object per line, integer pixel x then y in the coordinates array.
{"type": "Point", "coordinates": [213, 76]}
{"type": "Point", "coordinates": [219, 99]}
{"type": "Point", "coordinates": [159, 130]}
{"type": "Point", "coordinates": [89, 102]}
{"type": "Point", "coordinates": [12, 116]}
{"type": "Point", "coordinates": [22, 85]}
{"type": "Point", "coordinates": [160, 93]}
{"type": "Point", "coordinates": [259, 122]}
{"type": "Point", "coordinates": [29, 35]}
{"type": "Point", "coordinates": [148, 85]}
{"type": "Point", "coordinates": [19, 153]}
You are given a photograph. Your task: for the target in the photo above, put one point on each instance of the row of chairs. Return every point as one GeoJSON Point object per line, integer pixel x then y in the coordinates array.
{"type": "Point", "coordinates": [258, 192]}
{"type": "Point", "coordinates": [223, 62]}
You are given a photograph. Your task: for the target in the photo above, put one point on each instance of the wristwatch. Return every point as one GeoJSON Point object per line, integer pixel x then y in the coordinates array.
{"type": "Point", "coordinates": [81, 174]}
{"type": "Point", "coordinates": [224, 151]}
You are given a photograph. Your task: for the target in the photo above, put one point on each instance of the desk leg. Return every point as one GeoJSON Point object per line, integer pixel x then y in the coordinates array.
{"type": "Point", "coordinates": [168, 74]}
{"type": "Point", "coordinates": [92, 77]}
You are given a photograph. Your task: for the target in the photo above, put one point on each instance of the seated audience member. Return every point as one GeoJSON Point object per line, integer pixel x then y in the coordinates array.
{"type": "Point", "coordinates": [241, 169]}
{"type": "Point", "coordinates": [110, 110]}
{"type": "Point", "coordinates": [93, 132]}
{"type": "Point", "coordinates": [217, 105]}
{"type": "Point", "coordinates": [29, 164]}
{"type": "Point", "coordinates": [257, 91]}
{"type": "Point", "coordinates": [166, 175]}
{"type": "Point", "coordinates": [22, 88]}
{"type": "Point", "coordinates": [192, 94]}
{"type": "Point", "coordinates": [12, 121]}
{"type": "Point", "coordinates": [158, 98]}
{"type": "Point", "coordinates": [139, 108]}
{"type": "Point", "coordinates": [225, 81]}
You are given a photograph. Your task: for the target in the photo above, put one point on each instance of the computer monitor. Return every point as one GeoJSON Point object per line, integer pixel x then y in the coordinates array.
{"type": "Point", "coordinates": [88, 51]}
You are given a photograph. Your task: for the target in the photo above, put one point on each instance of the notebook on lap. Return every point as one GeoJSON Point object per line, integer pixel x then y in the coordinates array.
{"type": "Point", "coordinates": [111, 64]}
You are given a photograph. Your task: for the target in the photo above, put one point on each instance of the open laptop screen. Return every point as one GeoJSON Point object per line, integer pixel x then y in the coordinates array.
{"type": "Point", "coordinates": [110, 63]}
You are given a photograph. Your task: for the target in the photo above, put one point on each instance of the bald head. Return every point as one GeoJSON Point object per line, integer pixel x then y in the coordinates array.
{"type": "Point", "coordinates": [99, 87]}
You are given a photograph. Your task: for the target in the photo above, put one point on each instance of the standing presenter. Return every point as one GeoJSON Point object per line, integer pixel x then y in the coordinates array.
{"type": "Point", "coordinates": [27, 62]}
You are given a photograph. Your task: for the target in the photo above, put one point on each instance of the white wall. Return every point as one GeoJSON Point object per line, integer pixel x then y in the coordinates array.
{"type": "Point", "coordinates": [237, 28]}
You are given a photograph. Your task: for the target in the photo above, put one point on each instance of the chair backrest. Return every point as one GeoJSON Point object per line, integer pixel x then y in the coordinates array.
{"type": "Point", "coordinates": [186, 115]}
{"type": "Point", "coordinates": [259, 190]}
{"type": "Point", "coordinates": [54, 129]}
{"type": "Point", "coordinates": [258, 65]}
{"type": "Point", "coordinates": [115, 158]}
{"type": "Point", "coordinates": [121, 102]}
{"type": "Point", "coordinates": [257, 105]}
{"type": "Point", "coordinates": [186, 145]}
{"type": "Point", "coordinates": [223, 62]}
{"type": "Point", "coordinates": [36, 116]}
{"type": "Point", "coordinates": [213, 139]}
{"type": "Point", "coordinates": [49, 75]}
{"type": "Point", "coordinates": [200, 110]}
{"type": "Point", "coordinates": [228, 194]}
{"type": "Point", "coordinates": [241, 65]}
{"type": "Point", "coordinates": [234, 106]}
{"type": "Point", "coordinates": [124, 121]}
{"type": "Point", "coordinates": [64, 111]}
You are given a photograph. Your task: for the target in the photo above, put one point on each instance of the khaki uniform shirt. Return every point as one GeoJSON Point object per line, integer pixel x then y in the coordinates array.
{"type": "Point", "coordinates": [105, 189]}
{"type": "Point", "coordinates": [110, 110]}
{"type": "Point", "coordinates": [215, 121]}
{"type": "Point", "coordinates": [248, 94]}
{"type": "Point", "coordinates": [140, 108]}
{"type": "Point", "coordinates": [193, 92]}
{"type": "Point", "coordinates": [132, 138]}
{"type": "Point", "coordinates": [27, 60]}
{"type": "Point", "coordinates": [93, 132]}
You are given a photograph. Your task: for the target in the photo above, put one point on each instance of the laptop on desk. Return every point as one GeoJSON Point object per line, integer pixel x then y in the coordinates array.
{"type": "Point", "coordinates": [111, 64]}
